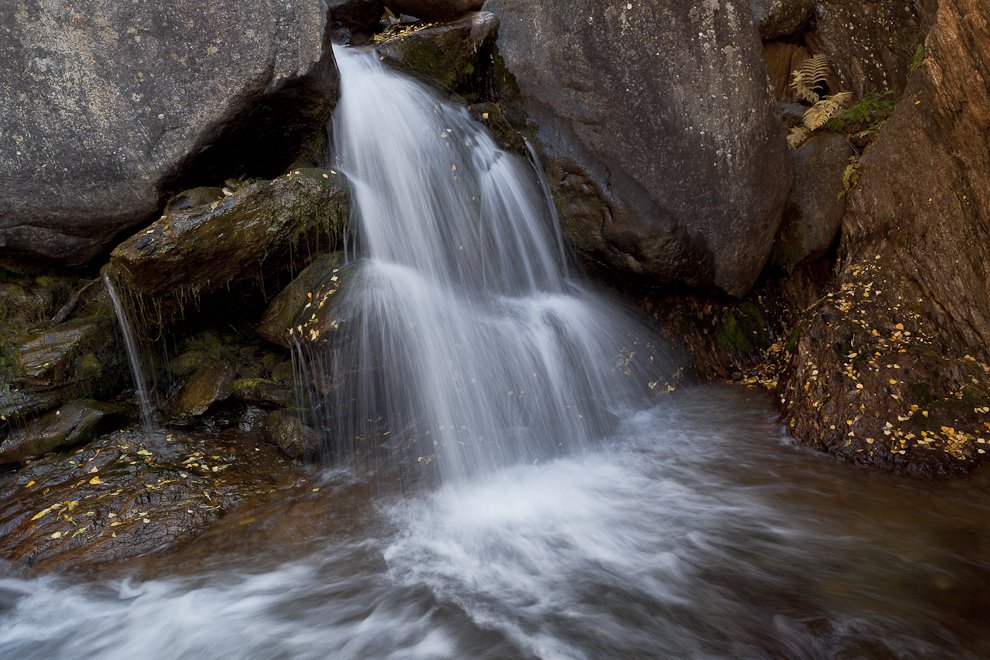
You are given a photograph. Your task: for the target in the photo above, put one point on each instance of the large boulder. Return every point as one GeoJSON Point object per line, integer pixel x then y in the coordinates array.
{"type": "Point", "coordinates": [892, 367]}
{"type": "Point", "coordinates": [110, 105]}
{"type": "Point", "coordinates": [204, 247]}
{"type": "Point", "coordinates": [660, 135]}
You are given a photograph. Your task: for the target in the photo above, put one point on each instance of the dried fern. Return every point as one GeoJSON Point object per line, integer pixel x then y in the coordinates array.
{"type": "Point", "coordinates": [825, 110]}
{"type": "Point", "coordinates": [807, 81]}
{"type": "Point", "coordinates": [797, 136]}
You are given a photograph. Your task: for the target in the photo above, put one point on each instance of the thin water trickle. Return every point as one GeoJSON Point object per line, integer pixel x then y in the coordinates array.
{"type": "Point", "coordinates": [464, 337]}
{"type": "Point", "coordinates": [141, 391]}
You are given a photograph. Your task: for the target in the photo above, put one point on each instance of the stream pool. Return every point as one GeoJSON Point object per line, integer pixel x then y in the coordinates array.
{"type": "Point", "coordinates": [698, 530]}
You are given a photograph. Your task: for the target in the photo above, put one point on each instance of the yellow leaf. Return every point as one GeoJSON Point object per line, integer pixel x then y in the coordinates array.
{"type": "Point", "coordinates": [95, 481]}
{"type": "Point", "coordinates": [899, 326]}
{"type": "Point", "coordinates": [56, 535]}
{"type": "Point", "coordinates": [29, 484]}
{"type": "Point", "coordinates": [143, 452]}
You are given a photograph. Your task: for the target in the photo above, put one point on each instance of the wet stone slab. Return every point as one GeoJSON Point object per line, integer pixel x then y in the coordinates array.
{"type": "Point", "coordinates": [128, 494]}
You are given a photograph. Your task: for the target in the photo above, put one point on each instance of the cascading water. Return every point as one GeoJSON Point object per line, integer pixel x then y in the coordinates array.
{"type": "Point", "coordinates": [460, 329]}
{"type": "Point", "coordinates": [697, 530]}
{"type": "Point", "coordinates": [141, 390]}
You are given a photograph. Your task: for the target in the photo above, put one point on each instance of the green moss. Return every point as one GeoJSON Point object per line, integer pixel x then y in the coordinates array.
{"type": "Point", "coordinates": [918, 57]}
{"type": "Point", "coordinates": [730, 336]}
{"type": "Point", "coordinates": [246, 385]}
{"type": "Point", "coordinates": [867, 114]}
{"type": "Point", "coordinates": [793, 338]}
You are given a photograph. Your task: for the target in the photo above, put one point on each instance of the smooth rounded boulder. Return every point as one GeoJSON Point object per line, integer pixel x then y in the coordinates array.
{"type": "Point", "coordinates": [662, 142]}
{"type": "Point", "coordinates": [109, 106]}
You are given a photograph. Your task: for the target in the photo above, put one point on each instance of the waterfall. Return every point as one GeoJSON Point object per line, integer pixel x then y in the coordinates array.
{"type": "Point", "coordinates": [464, 340]}
{"type": "Point", "coordinates": [141, 390]}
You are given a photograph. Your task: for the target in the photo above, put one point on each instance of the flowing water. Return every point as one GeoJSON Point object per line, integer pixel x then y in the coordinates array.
{"type": "Point", "coordinates": [576, 518]}
{"type": "Point", "coordinates": [462, 332]}
{"type": "Point", "coordinates": [697, 530]}
{"type": "Point", "coordinates": [141, 390]}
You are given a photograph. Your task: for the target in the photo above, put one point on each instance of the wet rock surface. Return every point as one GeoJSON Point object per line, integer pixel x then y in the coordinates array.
{"type": "Point", "coordinates": [283, 313]}
{"type": "Point", "coordinates": [658, 121]}
{"type": "Point", "coordinates": [69, 425]}
{"type": "Point", "coordinates": [128, 494]}
{"type": "Point", "coordinates": [208, 384]}
{"type": "Point", "coordinates": [202, 249]}
{"type": "Point", "coordinates": [129, 98]}
{"type": "Point", "coordinates": [442, 54]}
{"type": "Point", "coordinates": [287, 431]}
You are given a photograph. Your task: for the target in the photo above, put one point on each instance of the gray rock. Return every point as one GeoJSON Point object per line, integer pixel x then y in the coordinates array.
{"type": "Point", "coordinates": [434, 9]}
{"type": "Point", "coordinates": [445, 53]}
{"type": "Point", "coordinates": [778, 18]}
{"type": "Point", "coordinates": [287, 431]}
{"type": "Point", "coordinates": [109, 105]}
{"type": "Point", "coordinates": [659, 132]}
{"type": "Point", "coordinates": [870, 44]}
{"type": "Point", "coordinates": [284, 310]}
{"type": "Point", "coordinates": [817, 202]}
{"type": "Point", "coordinates": [204, 248]}
{"type": "Point", "coordinates": [73, 423]}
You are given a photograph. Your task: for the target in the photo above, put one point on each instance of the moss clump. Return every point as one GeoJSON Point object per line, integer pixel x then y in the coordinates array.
{"type": "Point", "coordinates": [743, 329]}
{"type": "Point", "coordinates": [867, 114]}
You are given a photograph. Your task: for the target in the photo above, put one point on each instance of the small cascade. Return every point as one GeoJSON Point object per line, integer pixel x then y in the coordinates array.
{"type": "Point", "coordinates": [464, 340]}
{"type": "Point", "coordinates": [141, 389]}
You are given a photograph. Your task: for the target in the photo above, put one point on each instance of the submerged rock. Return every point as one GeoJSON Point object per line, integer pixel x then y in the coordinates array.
{"type": "Point", "coordinates": [283, 313]}
{"type": "Point", "coordinates": [662, 141]}
{"type": "Point", "coordinates": [202, 249]}
{"type": "Point", "coordinates": [817, 201]}
{"type": "Point", "coordinates": [71, 424]}
{"type": "Point", "coordinates": [443, 54]}
{"type": "Point", "coordinates": [110, 104]}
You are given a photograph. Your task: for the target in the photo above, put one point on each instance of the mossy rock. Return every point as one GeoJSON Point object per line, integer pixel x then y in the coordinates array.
{"type": "Point", "coordinates": [202, 249]}
{"type": "Point", "coordinates": [443, 54]}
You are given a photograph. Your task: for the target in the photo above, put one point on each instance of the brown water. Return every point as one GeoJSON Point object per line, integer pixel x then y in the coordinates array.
{"type": "Point", "coordinates": [698, 531]}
